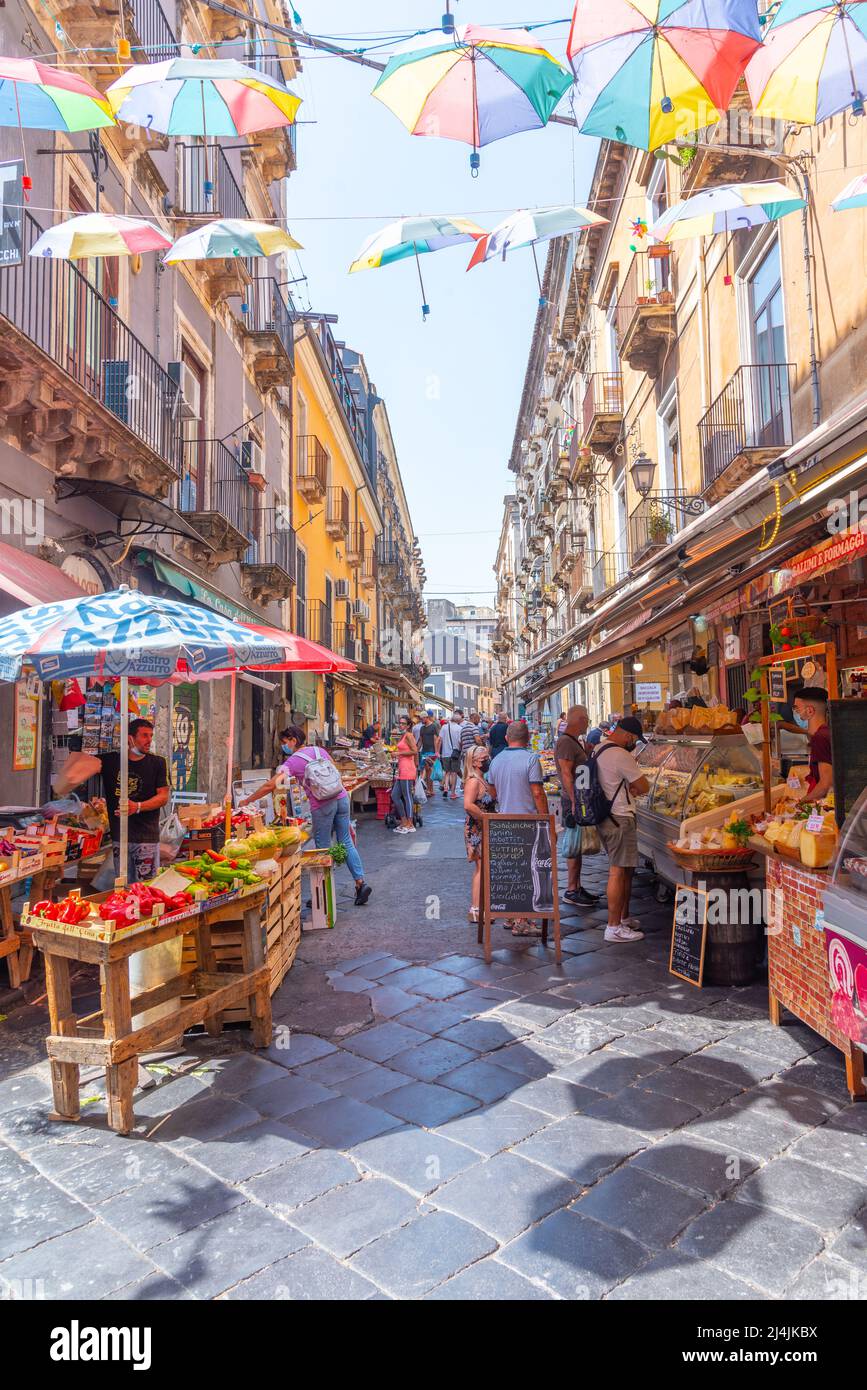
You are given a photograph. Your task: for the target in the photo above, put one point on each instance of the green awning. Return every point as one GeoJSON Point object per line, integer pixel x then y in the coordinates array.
{"type": "Point", "coordinates": [191, 588]}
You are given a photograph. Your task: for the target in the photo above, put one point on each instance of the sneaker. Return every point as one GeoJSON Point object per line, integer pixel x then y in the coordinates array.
{"type": "Point", "coordinates": [580, 897]}
{"type": "Point", "coordinates": [362, 894]}
{"type": "Point", "coordinates": [622, 933]}
{"type": "Point", "coordinates": [410, 830]}
{"type": "Point", "coordinates": [400, 830]}
{"type": "Point", "coordinates": [634, 922]}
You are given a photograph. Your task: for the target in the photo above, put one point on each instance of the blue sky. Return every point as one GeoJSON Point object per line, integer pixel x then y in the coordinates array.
{"type": "Point", "coordinates": [452, 384]}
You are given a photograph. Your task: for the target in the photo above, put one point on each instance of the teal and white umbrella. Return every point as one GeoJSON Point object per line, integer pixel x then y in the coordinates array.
{"type": "Point", "coordinates": [413, 237]}
{"type": "Point", "coordinates": [854, 195]}
{"type": "Point", "coordinates": [231, 236]}
{"type": "Point", "coordinates": [529, 227]}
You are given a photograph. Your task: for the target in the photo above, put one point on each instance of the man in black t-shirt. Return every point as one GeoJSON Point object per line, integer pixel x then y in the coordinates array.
{"type": "Point", "coordinates": [497, 734]}
{"type": "Point", "coordinates": [148, 792]}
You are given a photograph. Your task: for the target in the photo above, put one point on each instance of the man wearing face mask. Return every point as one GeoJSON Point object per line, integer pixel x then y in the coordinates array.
{"type": "Point", "coordinates": [621, 779]}
{"type": "Point", "coordinates": [811, 714]}
{"type": "Point", "coordinates": [314, 768]}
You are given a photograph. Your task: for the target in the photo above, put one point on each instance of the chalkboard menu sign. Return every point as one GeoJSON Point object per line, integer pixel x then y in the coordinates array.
{"type": "Point", "coordinates": [519, 864]}
{"type": "Point", "coordinates": [848, 721]}
{"type": "Point", "coordinates": [688, 934]}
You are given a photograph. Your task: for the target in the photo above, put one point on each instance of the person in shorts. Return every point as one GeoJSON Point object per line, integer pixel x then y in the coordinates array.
{"type": "Point", "coordinates": [621, 779]}
{"type": "Point", "coordinates": [428, 740]}
{"type": "Point", "coordinates": [450, 753]}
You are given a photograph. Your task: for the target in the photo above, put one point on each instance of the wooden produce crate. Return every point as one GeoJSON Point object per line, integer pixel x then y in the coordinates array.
{"type": "Point", "coordinates": [281, 926]}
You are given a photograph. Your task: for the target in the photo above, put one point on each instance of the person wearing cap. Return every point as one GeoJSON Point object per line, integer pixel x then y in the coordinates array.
{"type": "Point", "coordinates": [621, 779]}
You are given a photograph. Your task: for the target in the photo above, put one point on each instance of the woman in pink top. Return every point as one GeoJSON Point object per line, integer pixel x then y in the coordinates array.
{"type": "Point", "coordinates": [407, 771]}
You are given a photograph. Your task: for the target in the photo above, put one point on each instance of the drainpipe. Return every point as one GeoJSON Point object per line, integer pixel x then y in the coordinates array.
{"type": "Point", "coordinates": [808, 270]}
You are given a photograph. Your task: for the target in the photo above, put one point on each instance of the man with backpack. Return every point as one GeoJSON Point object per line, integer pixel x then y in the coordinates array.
{"type": "Point", "coordinates": [450, 753]}
{"type": "Point", "coordinates": [329, 803]}
{"type": "Point", "coordinates": [614, 778]}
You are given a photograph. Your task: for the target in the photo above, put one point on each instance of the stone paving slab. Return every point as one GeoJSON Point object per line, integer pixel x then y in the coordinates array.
{"type": "Point", "coordinates": [590, 1130]}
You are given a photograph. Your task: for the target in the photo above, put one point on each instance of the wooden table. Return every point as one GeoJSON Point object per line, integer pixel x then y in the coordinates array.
{"type": "Point", "coordinates": [107, 1039]}
{"type": "Point", "coordinates": [17, 946]}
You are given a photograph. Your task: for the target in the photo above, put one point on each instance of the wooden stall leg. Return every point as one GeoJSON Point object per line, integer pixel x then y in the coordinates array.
{"type": "Point", "coordinates": [208, 963]}
{"type": "Point", "coordinates": [120, 1076]}
{"type": "Point", "coordinates": [253, 956]}
{"type": "Point", "coordinates": [7, 935]}
{"type": "Point", "coordinates": [855, 1074]}
{"type": "Point", "coordinates": [544, 931]}
{"type": "Point", "coordinates": [64, 1075]}
{"type": "Point", "coordinates": [774, 1010]}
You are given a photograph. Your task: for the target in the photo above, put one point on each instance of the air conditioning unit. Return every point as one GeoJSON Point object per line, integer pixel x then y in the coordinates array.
{"type": "Point", "coordinates": [252, 456]}
{"type": "Point", "coordinates": [115, 387]}
{"type": "Point", "coordinates": [360, 609]}
{"type": "Point", "coordinates": [341, 588]}
{"type": "Point", "coordinates": [190, 407]}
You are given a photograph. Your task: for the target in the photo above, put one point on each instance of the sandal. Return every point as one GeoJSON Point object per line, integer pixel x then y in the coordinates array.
{"type": "Point", "coordinates": [473, 915]}
{"type": "Point", "coordinates": [526, 929]}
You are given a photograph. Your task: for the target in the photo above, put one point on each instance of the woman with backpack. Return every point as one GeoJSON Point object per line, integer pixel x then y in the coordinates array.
{"type": "Point", "coordinates": [329, 803]}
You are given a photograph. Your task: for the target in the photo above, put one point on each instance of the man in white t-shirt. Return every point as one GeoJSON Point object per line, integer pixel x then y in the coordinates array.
{"type": "Point", "coordinates": [450, 753]}
{"type": "Point", "coordinates": [621, 779]}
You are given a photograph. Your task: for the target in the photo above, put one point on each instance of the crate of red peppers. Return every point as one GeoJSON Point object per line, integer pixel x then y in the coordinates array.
{"type": "Point", "coordinates": [107, 914]}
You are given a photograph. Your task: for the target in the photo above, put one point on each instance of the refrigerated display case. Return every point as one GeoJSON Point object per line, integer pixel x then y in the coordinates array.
{"type": "Point", "coordinates": [845, 897]}
{"type": "Point", "coordinates": [696, 780]}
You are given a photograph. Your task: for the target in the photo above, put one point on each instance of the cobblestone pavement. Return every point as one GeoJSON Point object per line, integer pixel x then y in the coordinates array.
{"type": "Point", "coordinates": [427, 1126]}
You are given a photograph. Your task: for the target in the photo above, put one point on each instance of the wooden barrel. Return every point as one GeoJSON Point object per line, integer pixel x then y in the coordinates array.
{"type": "Point", "coordinates": [735, 935]}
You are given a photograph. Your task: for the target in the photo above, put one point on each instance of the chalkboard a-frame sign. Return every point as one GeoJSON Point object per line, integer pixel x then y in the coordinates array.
{"type": "Point", "coordinates": [519, 874]}
{"type": "Point", "coordinates": [689, 934]}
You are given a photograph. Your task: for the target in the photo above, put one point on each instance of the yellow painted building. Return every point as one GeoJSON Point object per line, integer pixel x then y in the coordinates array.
{"type": "Point", "coordinates": [337, 521]}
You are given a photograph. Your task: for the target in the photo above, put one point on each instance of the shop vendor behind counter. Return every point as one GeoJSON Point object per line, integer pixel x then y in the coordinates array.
{"type": "Point", "coordinates": [147, 789]}
{"type": "Point", "coordinates": [811, 714]}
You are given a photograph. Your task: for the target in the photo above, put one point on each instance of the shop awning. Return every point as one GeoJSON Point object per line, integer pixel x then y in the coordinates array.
{"type": "Point", "coordinates": [191, 587]}
{"type": "Point", "coordinates": [33, 581]}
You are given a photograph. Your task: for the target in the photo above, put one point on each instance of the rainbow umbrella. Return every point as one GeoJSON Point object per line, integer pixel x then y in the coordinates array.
{"type": "Point", "coordinates": [813, 62]}
{"type": "Point", "coordinates": [34, 96]}
{"type": "Point", "coordinates": [648, 71]}
{"type": "Point", "coordinates": [728, 209]}
{"type": "Point", "coordinates": [854, 195]}
{"type": "Point", "coordinates": [99, 234]}
{"type": "Point", "coordinates": [414, 236]}
{"type": "Point", "coordinates": [529, 228]}
{"type": "Point", "coordinates": [478, 86]}
{"type": "Point", "coordinates": [201, 96]}
{"type": "Point", "coordinates": [231, 236]}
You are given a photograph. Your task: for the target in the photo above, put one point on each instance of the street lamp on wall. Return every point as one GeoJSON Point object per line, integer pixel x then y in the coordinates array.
{"type": "Point", "coordinates": [642, 472]}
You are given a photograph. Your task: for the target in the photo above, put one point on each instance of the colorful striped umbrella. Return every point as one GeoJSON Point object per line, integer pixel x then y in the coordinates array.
{"type": "Point", "coordinates": [231, 236]}
{"type": "Point", "coordinates": [651, 70]}
{"type": "Point", "coordinates": [854, 195]}
{"type": "Point", "coordinates": [414, 236]}
{"type": "Point", "coordinates": [201, 96]}
{"type": "Point", "coordinates": [728, 209]}
{"type": "Point", "coordinates": [478, 86]}
{"type": "Point", "coordinates": [813, 62]}
{"type": "Point", "coordinates": [528, 228]}
{"type": "Point", "coordinates": [38, 97]}
{"type": "Point", "coordinates": [99, 234]}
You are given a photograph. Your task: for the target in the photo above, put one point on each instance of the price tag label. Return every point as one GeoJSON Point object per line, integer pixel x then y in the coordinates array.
{"type": "Point", "coordinates": [815, 822]}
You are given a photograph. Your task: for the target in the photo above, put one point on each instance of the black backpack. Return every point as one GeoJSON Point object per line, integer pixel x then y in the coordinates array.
{"type": "Point", "coordinates": [592, 805]}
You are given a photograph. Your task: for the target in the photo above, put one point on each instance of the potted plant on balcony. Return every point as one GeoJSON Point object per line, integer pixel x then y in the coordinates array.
{"type": "Point", "coordinates": [659, 528]}
{"type": "Point", "coordinates": [649, 296]}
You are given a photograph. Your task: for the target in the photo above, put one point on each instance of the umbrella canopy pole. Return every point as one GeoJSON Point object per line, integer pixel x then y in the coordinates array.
{"type": "Point", "coordinates": [230, 752]}
{"type": "Point", "coordinates": [425, 307]}
{"type": "Point", "coordinates": [208, 182]}
{"type": "Point", "coordinates": [123, 807]}
{"type": "Point", "coordinates": [542, 300]}
{"type": "Point", "coordinates": [26, 181]}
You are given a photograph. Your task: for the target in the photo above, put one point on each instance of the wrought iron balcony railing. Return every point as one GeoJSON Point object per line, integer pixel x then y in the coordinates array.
{"type": "Point", "coordinates": [196, 169]}
{"type": "Point", "coordinates": [275, 544]}
{"type": "Point", "coordinates": [51, 303]}
{"type": "Point", "coordinates": [753, 411]}
{"type": "Point", "coordinates": [319, 623]}
{"type": "Point", "coordinates": [156, 38]}
{"type": "Point", "coordinates": [265, 310]}
{"type": "Point", "coordinates": [311, 465]}
{"type": "Point", "coordinates": [213, 481]}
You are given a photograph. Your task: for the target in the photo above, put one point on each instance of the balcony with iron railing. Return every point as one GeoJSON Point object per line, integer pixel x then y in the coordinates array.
{"type": "Point", "coordinates": [746, 427]}
{"type": "Point", "coordinates": [737, 148]}
{"type": "Point", "coordinates": [153, 39]}
{"type": "Point", "coordinates": [602, 410]}
{"type": "Point", "coordinates": [337, 513]}
{"type": "Point", "coordinates": [369, 569]}
{"type": "Point", "coordinates": [651, 526]}
{"type": "Point", "coordinates": [356, 543]}
{"type": "Point", "coordinates": [207, 186]}
{"type": "Point", "coordinates": [342, 385]}
{"type": "Point", "coordinates": [269, 342]}
{"type": "Point", "coordinates": [311, 467]}
{"type": "Point", "coordinates": [215, 494]}
{"type": "Point", "coordinates": [94, 402]}
{"type": "Point", "coordinates": [269, 564]}
{"type": "Point", "coordinates": [319, 623]}
{"type": "Point", "coordinates": [645, 318]}
{"type": "Point", "coordinates": [344, 640]}
{"type": "Point", "coordinates": [606, 569]}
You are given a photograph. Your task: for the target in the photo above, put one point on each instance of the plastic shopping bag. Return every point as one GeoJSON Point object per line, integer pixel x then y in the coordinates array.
{"type": "Point", "coordinates": [420, 793]}
{"type": "Point", "coordinates": [437, 773]}
{"type": "Point", "coordinates": [591, 841]}
{"type": "Point", "coordinates": [172, 835]}
{"type": "Point", "coordinates": [570, 842]}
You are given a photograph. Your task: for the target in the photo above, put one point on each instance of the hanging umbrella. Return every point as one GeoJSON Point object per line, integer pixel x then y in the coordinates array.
{"type": "Point", "coordinates": [231, 236]}
{"type": "Point", "coordinates": [529, 227]}
{"type": "Point", "coordinates": [854, 195]}
{"type": "Point", "coordinates": [34, 96]}
{"type": "Point", "coordinates": [479, 86]}
{"type": "Point", "coordinates": [813, 62]}
{"type": "Point", "coordinates": [201, 96]}
{"type": "Point", "coordinates": [99, 234]}
{"type": "Point", "coordinates": [650, 70]}
{"type": "Point", "coordinates": [414, 236]}
{"type": "Point", "coordinates": [728, 209]}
